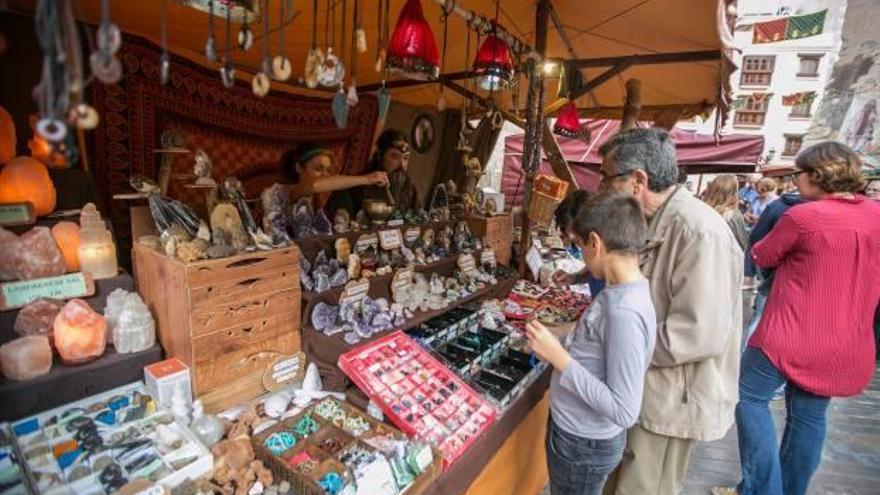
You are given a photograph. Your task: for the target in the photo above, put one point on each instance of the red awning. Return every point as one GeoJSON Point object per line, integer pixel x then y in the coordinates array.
{"type": "Point", "coordinates": [698, 153]}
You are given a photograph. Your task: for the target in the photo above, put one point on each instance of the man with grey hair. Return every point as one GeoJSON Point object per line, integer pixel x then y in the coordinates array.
{"type": "Point", "coordinates": [695, 268]}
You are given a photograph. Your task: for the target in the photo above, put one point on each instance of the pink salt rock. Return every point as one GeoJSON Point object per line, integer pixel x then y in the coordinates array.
{"type": "Point", "coordinates": [38, 317]}
{"type": "Point", "coordinates": [79, 333]}
{"type": "Point", "coordinates": [37, 255]}
{"type": "Point", "coordinates": [8, 253]}
{"type": "Point", "coordinates": [26, 358]}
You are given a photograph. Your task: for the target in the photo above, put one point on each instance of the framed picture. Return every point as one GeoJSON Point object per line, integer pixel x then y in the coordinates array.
{"type": "Point", "coordinates": [422, 133]}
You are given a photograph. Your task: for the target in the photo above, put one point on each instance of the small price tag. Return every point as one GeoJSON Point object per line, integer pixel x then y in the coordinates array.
{"type": "Point", "coordinates": [17, 214]}
{"type": "Point", "coordinates": [17, 294]}
{"type": "Point", "coordinates": [401, 283]}
{"type": "Point", "coordinates": [366, 242]}
{"type": "Point", "coordinates": [533, 260]}
{"type": "Point", "coordinates": [487, 257]}
{"type": "Point", "coordinates": [354, 291]}
{"type": "Point", "coordinates": [412, 234]}
{"type": "Point", "coordinates": [467, 264]}
{"type": "Point", "coordinates": [390, 239]}
{"type": "Point", "coordinates": [284, 370]}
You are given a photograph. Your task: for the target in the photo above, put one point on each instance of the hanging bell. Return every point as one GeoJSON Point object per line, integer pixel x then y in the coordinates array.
{"type": "Point", "coordinates": [383, 96]}
{"type": "Point", "coordinates": [227, 75]}
{"type": "Point", "coordinates": [260, 84]}
{"type": "Point", "coordinates": [340, 109]}
{"type": "Point", "coordinates": [245, 38]}
{"type": "Point", "coordinates": [85, 117]}
{"type": "Point", "coordinates": [281, 68]}
{"type": "Point", "coordinates": [164, 67]}
{"type": "Point", "coordinates": [211, 49]}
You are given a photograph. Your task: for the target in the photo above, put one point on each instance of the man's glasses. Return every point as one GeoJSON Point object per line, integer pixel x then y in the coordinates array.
{"type": "Point", "coordinates": [603, 179]}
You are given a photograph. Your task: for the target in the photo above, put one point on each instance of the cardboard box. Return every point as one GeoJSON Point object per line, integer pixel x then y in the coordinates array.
{"type": "Point", "coordinates": [164, 377]}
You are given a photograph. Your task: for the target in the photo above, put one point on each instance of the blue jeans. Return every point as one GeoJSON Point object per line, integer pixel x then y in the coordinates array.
{"type": "Point", "coordinates": [580, 466]}
{"type": "Point", "coordinates": [760, 302]}
{"type": "Point", "coordinates": [766, 468]}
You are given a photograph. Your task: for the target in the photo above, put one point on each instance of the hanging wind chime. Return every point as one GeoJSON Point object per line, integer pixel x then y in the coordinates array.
{"type": "Point", "coordinates": [260, 83]}
{"type": "Point", "coordinates": [412, 49]}
{"type": "Point", "coordinates": [227, 71]}
{"type": "Point", "coordinates": [281, 65]}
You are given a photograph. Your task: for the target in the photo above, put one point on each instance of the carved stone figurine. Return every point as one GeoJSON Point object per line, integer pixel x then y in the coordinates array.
{"type": "Point", "coordinates": [275, 206]}
{"type": "Point", "coordinates": [233, 191]}
{"type": "Point", "coordinates": [203, 169]}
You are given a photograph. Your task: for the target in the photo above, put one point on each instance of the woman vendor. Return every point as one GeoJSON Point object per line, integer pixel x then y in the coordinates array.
{"type": "Point", "coordinates": [306, 170]}
{"type": "Point", "coordinates": [391, 157]}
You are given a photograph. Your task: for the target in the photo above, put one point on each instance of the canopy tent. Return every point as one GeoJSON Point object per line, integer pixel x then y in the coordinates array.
{"type": "Point", "coordinates": [680, 68]}
{"type": "Point", "coordinates": [697, 153]}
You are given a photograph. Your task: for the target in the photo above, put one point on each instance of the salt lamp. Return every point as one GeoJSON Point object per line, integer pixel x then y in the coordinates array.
{"type": "Point", "coordinates": [7, 137]}
{"type": "Point", "coordinates": [79, 333]}
{"type": "Point", "coordinates": [66, 235]}
{"type": "Point", "coordinates": [26, 179]}
{"type": "Point", "coordinates": [97, 252]}
{"type": "Point", "coordinates": [26, 358]}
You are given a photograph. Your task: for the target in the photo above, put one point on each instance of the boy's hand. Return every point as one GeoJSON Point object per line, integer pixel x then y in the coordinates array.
{"type": "Point", "coordinates": [546, 346]}
{"type": "Point", "coordinates": [562, 278]}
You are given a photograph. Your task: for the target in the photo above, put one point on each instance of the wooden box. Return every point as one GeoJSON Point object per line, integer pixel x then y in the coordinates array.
{"type": "Point", "coordinates": [228, 319]}
{"type": "Point", "coordinates": [497, 232]}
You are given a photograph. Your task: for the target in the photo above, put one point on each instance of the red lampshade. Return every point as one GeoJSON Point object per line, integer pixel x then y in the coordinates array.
{"type": "Point", "coordinates": [493, 63]}
{"type": "Point", "coordinates": [412, 49]}
{"type": "Point", "coordinates": [568, 123]}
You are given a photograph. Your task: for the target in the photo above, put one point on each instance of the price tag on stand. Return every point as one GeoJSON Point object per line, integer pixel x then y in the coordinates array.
{"type": "Point", "coordinates": [17, 214]}
{"type": "Point", "coordinates": [487, 257]}
{"type": "Point", "coordinates": [412, 234]}
{"type": "Point", "coordinates": [401, 284]}
{"type": "Point", "coordinates": [18, 294]}
{"type": "Point", "coordinates": [365, 242]}
{"type": "Point", "coordinates": [390, 239]}
{"type": "Point", "coordinates": [354, 291]}
{"type": "Point", "coordinates": [467, 264]}
{"type": "Point", "coordinates": [284, 370]}
{"type": "Point", "coordinates": [533, 260]}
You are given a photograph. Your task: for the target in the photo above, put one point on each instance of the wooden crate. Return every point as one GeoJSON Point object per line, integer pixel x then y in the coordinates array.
{"type": "Point", "coordinates": [497, 231]}
{"type": "Point", "coordinates": [228, 319]}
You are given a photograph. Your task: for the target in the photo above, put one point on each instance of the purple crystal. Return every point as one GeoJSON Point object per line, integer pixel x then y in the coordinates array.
{"type": "Point", "coordinates": [364, 330]}
{"type": "Point", "coordinates": [351, 338]}
{"type": "Point", "coordinates": [382, 321]}
{"type": "Point", "coordinates": [324, 316]}
{"type": "Point", "coordinates": [322, 224]}
{"type": "Point", "coordinates": [322, 282]}
{"type": "Point", "coordinates": [369, 309]}
{"type": "Point", "coordinates": [340, 277]}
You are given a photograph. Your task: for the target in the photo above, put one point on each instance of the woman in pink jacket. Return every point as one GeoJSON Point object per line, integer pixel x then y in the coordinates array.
{"type": "Point", "coordinates": [816, 333]}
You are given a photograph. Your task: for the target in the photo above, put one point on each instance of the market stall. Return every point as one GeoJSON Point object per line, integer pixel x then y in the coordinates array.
{"type": "Point", "coordinates": [283, 346]}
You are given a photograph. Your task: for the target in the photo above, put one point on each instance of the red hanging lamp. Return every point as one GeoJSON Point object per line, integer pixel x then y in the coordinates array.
{"type": "Point", "coordinates": [568, 123]}
{"type": "Point", "coordinates": [493, 64]}
{"type": "Point", "coordinates": [412, 49]}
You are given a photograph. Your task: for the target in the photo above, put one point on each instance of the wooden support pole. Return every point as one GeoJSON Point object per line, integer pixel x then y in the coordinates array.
{"type": "Point", "coordinates": [632, 105]}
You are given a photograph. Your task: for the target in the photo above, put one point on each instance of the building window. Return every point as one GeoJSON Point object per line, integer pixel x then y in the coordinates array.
{"type": "Point", "coordinates": [792, 144]}
{"type": "Point", "coordinates": [757, 70]}
{"type": "Point", "coordinates": [753, 111]}
{"type": "Point", "coordinates": [801, 109]}
{"type": "Point", "coordinates": [809, 65]}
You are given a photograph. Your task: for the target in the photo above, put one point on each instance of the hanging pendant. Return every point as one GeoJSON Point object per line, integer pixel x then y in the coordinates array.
{"type": "Point", "coordinates": [352, 97]}
{"type": "Point", "coordinates": [380, 61]}
{"type": "Point", "coordinates": [245, 38]}
{"type": "Point", "coordinates": [260, 84]}
{"type": "Point", "coordinates": [108, 38]}
{"type": "Point", "coordinates": [164, 67]}
{"type": "Point", "coordinates": [361, 40]}
{"type": "Point", "coordinates": [331, 71]}
{"type": "Point", "coordinates": [105, 67]}
{"type": "Point", "coordinates": [313, 67]}
{"type": "Point", "coordinates": [384, 101]}
{"type": "Point", "coordinates": [340, 109]}
{"type": "Point", "coordinates": [227, 75]}
{"type": "Point", "coordinates": [211, 49]}
{"type": "Point", "coordinates": [52, 129]}
{"type": "Point", "coordinates": [281, 68]}
{"type": "Point", "coordinates": [84, 116]}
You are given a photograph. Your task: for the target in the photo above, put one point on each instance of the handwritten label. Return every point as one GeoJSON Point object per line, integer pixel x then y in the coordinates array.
{"type": "Point", "coordinates": [354, 291]}
{"type": "Point", "coordinates": [533, 260]}
{"type": "Point", "coordinates": [467, 264]}
{"type": "Point", "coordinates": [284, 370]}
{"type": "Point", "coordinates": [17, 294]}
{"type": "Point", "coordinates": [366, 242]}
{"type": "Point", "coordinates": [17, 213]}
{"type": "Point", "coordinates": [412, 234]}
{"type": "Point", "coordinates": [390, 239]}
{"type": "Point", "coordinates": [401, 284]}
{"type": "Point", "coordinates": [487, 257]}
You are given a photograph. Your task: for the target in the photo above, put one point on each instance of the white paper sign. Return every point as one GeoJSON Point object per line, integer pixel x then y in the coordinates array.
{"type": "Point", "coordinates": [390, 239]}
{"type": "Point", "coordinates": [533, 260]}
{"type": "Point", "coordinates": [487, 256]}
{"type": "Point", "coordinates": [365, 242]}
{"type": "Point", "coordinates": [355, 291]}
{"type": "Point", "coordinates": [412, 234]}
{"type": "Point", "coordinates": [467, 264]}
{"type": "Point", "coordinates": [401, 284]}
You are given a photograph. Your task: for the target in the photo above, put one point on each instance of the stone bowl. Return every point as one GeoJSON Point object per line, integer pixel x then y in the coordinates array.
{"type": "Point", "coordinates": [379, 211]}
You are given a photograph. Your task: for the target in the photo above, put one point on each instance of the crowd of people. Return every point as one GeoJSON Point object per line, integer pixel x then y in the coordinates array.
{"type": "Point", "coordinates": [659, 360]}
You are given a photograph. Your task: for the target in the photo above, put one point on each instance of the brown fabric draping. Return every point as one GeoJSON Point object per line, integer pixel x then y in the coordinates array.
{"type": "Point", "coordinates": [449, 160]}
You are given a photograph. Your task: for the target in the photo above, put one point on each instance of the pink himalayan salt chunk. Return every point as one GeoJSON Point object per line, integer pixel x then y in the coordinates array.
{"type": "Point", "coordinates": [26, 358]}
{"type": "Point", "coordinates": [38, 317]}
{"type": "Point", "coordinates": [8, 253]}
{"type": "Point", "coordinates": [37, 255]}
{"type": "Point", "coordinates": [80, 334]}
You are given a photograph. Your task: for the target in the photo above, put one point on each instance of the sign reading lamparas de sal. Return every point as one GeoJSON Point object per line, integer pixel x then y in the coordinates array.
{"type": "Point", "coordinates": [18, 294]}
{"type": "Point", "coordinates": [390, 239]}
{"type": "Point", "coordinates": [365, 242]}
{"type": "Point", "coordinates": [401, 284]}
{"type": "Point", "coordinates": [284, 370]}
{"type": "Point", "coordinates": [467, 264]}
{"type": "Point", "coordinates": [354, 291]}
{"type": "Point", "coordinates": [412, 234]}
{"type": "Point", "coordinates": [17, 214]}
{"type": "Point", "coordinates": [487, 257]}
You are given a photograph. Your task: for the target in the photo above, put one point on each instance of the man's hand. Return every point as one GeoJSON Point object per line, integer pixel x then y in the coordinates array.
{"type": "Point", "coordinates": [547, 346]}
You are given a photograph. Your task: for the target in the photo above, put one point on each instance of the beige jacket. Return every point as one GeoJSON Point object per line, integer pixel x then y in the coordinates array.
{"type": "Point", "coordinates": [695, 267]}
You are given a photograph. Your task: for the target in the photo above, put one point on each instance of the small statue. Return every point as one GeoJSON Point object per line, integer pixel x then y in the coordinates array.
{"type": "Point", "coordinates": [354, 266]}
{"type": "Point", "coordinates": [462, 237]}
{"type": "Point", "coordinates": [473, 172]}
{"type": "Point", "coordinates": [343, 250]}
{"type": "Point", "coordinates": [203, 169]}
{"type": "Point", "coordinates": [469, 204]}
{"type": "Point", "coordinates": [275, 206]}
{"type": "Point", "coordinates": [341, 221]}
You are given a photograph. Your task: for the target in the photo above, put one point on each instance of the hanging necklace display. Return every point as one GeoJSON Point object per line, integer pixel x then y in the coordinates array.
{"type": "Point", "coordinates": [340, 103]}
{"type": "Point", "coordinates": [103, 62]}
{"type": "Point", "coordinates": [245, 35]}
{"type": "Point", "coordinates": [351, 98]}
{"type": "Point", "coordinates": [108, 37]}
{"type": "Point", "coordinates": [441, 99]}
{"type": "Point", "coordinates": [360, 34]}
{"type": "Point", "coordinates": [165, 59]}
{"type": "Point", "coordinates": [331, 71]}
{"type": "Point", "coordinates": [281, 66]}
{"type": "Point", "coordinates": [227, 72]}
{"type": "Point", "coordinates": [211, 44]}
{"type": "Point", "coordinates": [81, 114]}
{"type": "Point", "coordinates": [382, 44]}
{"type": "Point", "coordinates": [316, 57]}
{"type": "Point", "coordinates": [260, 83]}
{"type": "Point", "coordinates": [51, 106]}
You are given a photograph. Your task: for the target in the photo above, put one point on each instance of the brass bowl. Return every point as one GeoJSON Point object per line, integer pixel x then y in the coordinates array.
{"type": "Point", "coordinates": [379, 211]}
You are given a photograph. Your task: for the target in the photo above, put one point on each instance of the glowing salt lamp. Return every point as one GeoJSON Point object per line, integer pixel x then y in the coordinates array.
{"type": "Point", "coordinates": [66, 235]}
{"type": "Point", "coordinates": [7, 137]}
{"type": "Point", "coordinates": [97, 251]}
{"type": "Point", "coordinates": [26, 179]}
{"type": "Point", "coordinates": [79, 333]}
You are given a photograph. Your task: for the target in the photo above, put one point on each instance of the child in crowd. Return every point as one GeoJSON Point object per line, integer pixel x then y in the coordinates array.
{"type": "Point", "coordinates": [596, 388]}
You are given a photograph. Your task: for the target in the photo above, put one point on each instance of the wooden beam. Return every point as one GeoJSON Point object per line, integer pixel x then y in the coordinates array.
{"type": "Point", "coordinates": [454, 86]}
{"type": "Point", "coordinates": [404, 83]}
{"type": "Point", "coordinates": [651, 59]}
{"type": "Point", "coordinates": [590, 85]}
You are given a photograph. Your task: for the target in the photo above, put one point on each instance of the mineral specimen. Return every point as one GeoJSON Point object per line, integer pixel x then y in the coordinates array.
{"type": "Point", "coordinates": [324, 316]}
{"type": "Point", "coordinates": [26, 358]}
{"type": "Point", "coordinates": [130, 322]}
{"type": "Point", "coordinates": [36, 256]}
{"type": "Point", "coordinates": [79, 333]}
{"type": "Point", "coordinates": [37, 317]}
